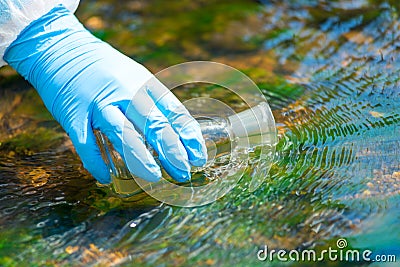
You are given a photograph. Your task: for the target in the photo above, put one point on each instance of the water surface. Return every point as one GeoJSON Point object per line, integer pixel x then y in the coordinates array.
{"type": "Point", "coordinates": [330, 71]}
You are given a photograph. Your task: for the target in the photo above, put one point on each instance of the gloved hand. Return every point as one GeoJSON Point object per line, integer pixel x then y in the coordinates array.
{"type": "Point", "coordinates": [86, 84]}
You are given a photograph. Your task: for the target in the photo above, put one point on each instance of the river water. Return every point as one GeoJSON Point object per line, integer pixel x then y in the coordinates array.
{"type": "Point", "coordinates": [330, 71]}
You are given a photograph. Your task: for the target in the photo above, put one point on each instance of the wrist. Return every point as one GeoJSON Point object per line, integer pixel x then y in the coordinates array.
{"type": "Point", "coordinates": [51, 51]}
{"type": "Point", "coordinates": [46, 45]}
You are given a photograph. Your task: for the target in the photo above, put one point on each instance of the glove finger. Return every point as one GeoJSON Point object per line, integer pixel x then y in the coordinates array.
{"type": "Point", "coordinates": [85, 145]}
{"type": "Point", "coordinates": [160, 135]}
{"type": "Point", "coordinates": [128, 143]}
{"type": "Point", "coordinates": [182, 122]}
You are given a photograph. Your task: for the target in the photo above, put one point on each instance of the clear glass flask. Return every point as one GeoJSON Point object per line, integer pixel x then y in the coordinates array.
{"type": "Point", "coordinates": [230, 138]}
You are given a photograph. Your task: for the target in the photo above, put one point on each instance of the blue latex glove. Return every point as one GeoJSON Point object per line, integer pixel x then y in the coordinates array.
{"type": "Point", "coordinates": [86, 84]}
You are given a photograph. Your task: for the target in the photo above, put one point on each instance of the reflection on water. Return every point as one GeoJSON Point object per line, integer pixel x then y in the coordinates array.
{"type": "Point", "coordinates": [331, 74]}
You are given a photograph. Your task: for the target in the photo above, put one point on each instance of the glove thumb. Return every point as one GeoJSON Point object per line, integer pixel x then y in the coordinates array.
{"type": "Point", "coordinates": [85, 145]}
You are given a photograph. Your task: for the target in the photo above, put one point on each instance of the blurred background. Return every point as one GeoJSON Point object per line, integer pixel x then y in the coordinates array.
{"type": "Point", "coordinates": [330, 71]}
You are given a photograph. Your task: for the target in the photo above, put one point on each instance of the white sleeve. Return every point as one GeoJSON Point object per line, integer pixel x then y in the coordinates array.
{"type": "Point", "coordinates": [15, 15]}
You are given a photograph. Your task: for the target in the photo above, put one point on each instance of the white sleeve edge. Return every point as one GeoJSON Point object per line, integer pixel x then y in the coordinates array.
{"type": "Point", "coordinates": [20, 18]}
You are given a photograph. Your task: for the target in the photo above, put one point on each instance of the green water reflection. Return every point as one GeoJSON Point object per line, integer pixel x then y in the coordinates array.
{"type": "Point", "coordinates": [330, 71]}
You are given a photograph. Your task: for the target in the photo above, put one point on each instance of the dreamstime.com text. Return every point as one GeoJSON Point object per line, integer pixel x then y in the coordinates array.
{"type": "Point", "coordinates": [339, 253]}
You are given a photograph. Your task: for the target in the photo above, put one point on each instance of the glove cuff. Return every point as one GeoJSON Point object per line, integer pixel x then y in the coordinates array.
{"type": "Point", "coordinates": [50, 50]}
